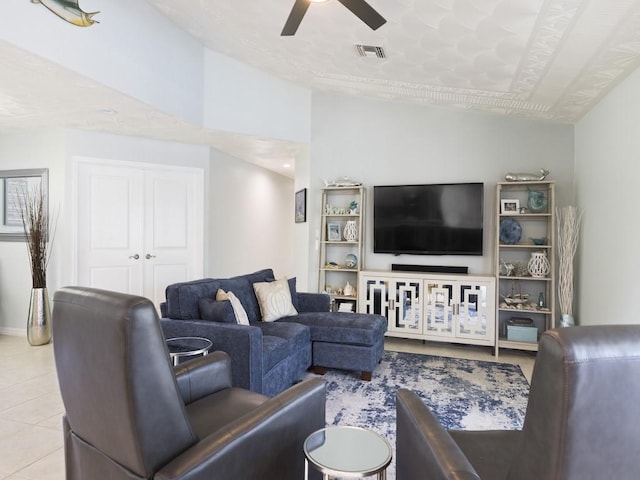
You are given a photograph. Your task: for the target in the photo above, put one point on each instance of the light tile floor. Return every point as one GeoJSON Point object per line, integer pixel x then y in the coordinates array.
{"type": "Point", "coordinates": [31, 407]}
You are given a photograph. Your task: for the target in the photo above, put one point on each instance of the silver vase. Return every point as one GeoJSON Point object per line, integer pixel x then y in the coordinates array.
{"type": "Point", "coordinates": [39, 321]}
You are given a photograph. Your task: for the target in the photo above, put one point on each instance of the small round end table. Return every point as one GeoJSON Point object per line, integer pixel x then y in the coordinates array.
{"type": "Point", "coordinates": [180, 347]}
{"type": "Point", "coordinates": [351, 452]}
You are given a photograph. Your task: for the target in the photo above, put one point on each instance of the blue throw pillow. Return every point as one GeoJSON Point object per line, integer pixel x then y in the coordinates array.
{"type": "Point", "coordinates": [215, 311]}
{"type": "Point", "coordinates": [294, 294]}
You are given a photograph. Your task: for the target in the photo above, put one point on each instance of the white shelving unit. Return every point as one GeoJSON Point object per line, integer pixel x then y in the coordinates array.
{"type": "Point", "coordinates": [517, 283]}
{"type": "Point", "coordinates": [335, 271]}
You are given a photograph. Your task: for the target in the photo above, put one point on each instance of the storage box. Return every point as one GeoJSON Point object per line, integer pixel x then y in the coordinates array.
{"type": "Point", "coordinates": [522, 333]}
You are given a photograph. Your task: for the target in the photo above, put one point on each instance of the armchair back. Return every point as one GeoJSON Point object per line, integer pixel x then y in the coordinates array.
{"type": "Point", "coordinates": [582, 419]}
{"type": "Point", "coordinates": [116, 380]}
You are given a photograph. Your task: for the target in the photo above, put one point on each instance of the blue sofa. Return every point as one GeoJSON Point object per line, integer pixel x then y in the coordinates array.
{"type": "Point", "coordinates": [268, 357]}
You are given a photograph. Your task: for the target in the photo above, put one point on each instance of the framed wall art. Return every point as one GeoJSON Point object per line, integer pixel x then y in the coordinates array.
{"type": "Point", "coordinates": [301, 206]}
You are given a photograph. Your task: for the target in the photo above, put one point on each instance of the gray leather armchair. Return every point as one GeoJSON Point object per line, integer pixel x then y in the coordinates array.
{"type": "Point", "coordinates": [129, 415]}
{"type": "Point", "coordinates": [581, 421]}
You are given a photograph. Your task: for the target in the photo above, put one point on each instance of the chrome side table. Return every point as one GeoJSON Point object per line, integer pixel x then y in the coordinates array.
{"type": "Point", "coordinates": [351, 452]}
{"type": "Point", "coordinates": [180, 347]}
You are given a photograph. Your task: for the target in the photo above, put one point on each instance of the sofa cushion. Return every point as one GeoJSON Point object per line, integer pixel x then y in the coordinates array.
{"type": "Point", "coordinates": [238, 310]}
{"type": "Point", "coordinates": [182, 298]}
{"type": "Point", "coordinates": [242, 287]}
{"type": "Point", "coordinates": [341, 327]}
{"type": "Point", "coordinates": [281, 340]}
{"type": "Point", "coordinates": [215, 311]}
{"type": "Point", "coordinates": [274, 299]}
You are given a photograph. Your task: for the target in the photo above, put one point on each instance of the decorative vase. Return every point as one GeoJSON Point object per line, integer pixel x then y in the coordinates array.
{"type": "Point", "coordinates": [567, 320]}
{"type": "Point", "coordinates": [350, 231]}
{"type": "Point", "coordinates": [39, 321]}
{"type": "Point", "coordinates": [538, 265]}
{"type": "Point", "coordinates": [537, 201]}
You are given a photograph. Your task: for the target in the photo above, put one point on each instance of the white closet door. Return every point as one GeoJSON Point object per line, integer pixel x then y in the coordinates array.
{"type": "Point", "coordinates": [173, 230]}
{"type": "Point", "coordinates": [139, 229]}
{"type": "Point", "coordinates": [110, 228]}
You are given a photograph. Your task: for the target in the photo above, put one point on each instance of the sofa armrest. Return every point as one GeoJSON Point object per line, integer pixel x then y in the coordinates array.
{"type": "Point", "coordinates": [424, 449]}
{"type": "Point", "coordinates": [313, 302]}
{"type": "Point", "coordinates": [203, 376]}
{"type": "Point", "coordinates": [243, 344]}
{"type": "Point", "coordinates": [273, 434]}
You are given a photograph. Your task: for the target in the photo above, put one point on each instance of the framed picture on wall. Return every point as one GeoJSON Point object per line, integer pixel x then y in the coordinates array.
{"type": "Point", "coordinates": [301, 206]}
{"type": "Point", "coordinates": [333, 232]}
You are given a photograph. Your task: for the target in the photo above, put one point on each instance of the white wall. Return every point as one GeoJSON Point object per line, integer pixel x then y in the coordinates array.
{"type": "Point", "coordinates": [56, 150]}
{"type": "Point", "coordinates": [251, 219]}
{"type": "Point", "coordinates": [37, 149]}
{"type": "Point", "coordinates": [607, 174]}
{"type": "Point", "coordinates": [239, 98]}
{"type": "Point", "coordinates": [380, 143]}
{"type": "Point", "coordinates": [134, 49]}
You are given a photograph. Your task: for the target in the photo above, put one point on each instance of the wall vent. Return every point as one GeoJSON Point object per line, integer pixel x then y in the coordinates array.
{"type": "Point", "coordinates": [370, 51]}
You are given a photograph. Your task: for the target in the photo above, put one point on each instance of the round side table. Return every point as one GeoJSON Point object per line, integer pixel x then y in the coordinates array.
{"type": "Point", "coordinates": [180, 347]}
{"type": "Point", "coordinates": [351, 452]}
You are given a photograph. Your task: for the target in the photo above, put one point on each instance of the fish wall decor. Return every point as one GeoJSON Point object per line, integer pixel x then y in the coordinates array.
{"type": "Point", "coordinates": [70, 11]}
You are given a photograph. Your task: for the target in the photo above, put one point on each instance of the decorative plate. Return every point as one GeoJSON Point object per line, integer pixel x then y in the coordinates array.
{"type": "Point", "coordinates": [351, 260]}
{"type": "Point", "coordinates": [510, 231]}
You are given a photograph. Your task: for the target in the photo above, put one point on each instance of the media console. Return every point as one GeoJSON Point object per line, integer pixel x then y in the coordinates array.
{"type": "Point", "coordinates": [440, 307]}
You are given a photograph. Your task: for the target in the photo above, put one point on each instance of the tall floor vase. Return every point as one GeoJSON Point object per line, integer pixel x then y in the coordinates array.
{"type": "Point", "coordinates": [39, 321]}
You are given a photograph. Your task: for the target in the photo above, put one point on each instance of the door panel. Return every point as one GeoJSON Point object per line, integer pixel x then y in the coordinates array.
{"type": "Point", "coordinates": [139, 228]}
{"type": "Point", "coordinates": [110, 228]}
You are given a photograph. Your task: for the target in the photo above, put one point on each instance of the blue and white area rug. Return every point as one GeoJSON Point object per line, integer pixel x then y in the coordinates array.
{"type": "Point", "coordinates": [464, 394]}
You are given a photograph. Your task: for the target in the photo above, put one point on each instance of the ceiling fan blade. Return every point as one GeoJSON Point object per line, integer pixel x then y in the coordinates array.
{"type": "Point", "coordinates": [295, 17]}
{"type": "Point", "coordinates": [364, 12]}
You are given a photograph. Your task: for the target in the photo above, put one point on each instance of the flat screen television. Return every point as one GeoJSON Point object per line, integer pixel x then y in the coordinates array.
{"type": "Point", "coordinates": [431, 219]}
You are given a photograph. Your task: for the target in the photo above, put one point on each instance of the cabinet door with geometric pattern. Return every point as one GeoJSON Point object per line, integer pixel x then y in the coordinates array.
{"type": "Point", "coordinates": [439, 308]}
{"type": "Point", "coordinates": [406, 306]}
{"type": "Point", "coordinates": [474, 304]}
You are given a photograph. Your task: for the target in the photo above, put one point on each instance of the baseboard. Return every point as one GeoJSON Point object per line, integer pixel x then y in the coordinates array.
{"type": "Point", "coordinates": [13, 332]}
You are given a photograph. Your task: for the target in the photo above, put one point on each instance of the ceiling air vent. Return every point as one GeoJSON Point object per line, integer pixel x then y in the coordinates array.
{"type": "Point", "coordinates": [370, 51]}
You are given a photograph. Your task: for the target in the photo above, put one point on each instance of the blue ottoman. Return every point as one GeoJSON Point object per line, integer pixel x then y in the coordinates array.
{"type": "Point", "coordinates": [348, 341]}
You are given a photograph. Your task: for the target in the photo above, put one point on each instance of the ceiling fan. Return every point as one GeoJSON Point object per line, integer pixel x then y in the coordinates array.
{"type": "Point", "coordinates": [359, 8]}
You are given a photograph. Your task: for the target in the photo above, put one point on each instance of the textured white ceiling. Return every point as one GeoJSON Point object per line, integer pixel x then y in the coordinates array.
{"type": "Point", "coordinates": [550, 60]}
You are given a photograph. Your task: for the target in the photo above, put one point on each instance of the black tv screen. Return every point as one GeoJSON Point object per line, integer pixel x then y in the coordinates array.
{"type": "Point", "coordinates": [433, 219]}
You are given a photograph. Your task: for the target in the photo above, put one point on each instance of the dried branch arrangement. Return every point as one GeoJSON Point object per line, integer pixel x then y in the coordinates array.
{"type": "Point", "coordinates": [35, 220]}
{"type": "Point", "coordinates": [568, 229]}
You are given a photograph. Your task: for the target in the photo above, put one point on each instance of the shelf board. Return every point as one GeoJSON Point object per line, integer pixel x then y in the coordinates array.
{"type": "Point", "coordinates": [342, 215]}
{"type": "Point", "coordinates": [525, 245]}
{"type": "Point", "coordinates": [524, 310]}
{"type": "Point", "coordinates": [345, 269]}
{"type": "Point", "coordinates": [545, 279]}
{"type": "Point", "coordinates": [504, 343]}
{"type": "Point", "coordinates": [343, 297]}
{"type": "Point", "coordinates": [333, 242]}
{"type": "Point", "coordinates": [524, 215]}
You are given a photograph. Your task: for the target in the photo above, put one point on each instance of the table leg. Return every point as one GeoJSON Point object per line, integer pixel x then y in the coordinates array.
{"type": "Point", "coordinates": [382, 475]}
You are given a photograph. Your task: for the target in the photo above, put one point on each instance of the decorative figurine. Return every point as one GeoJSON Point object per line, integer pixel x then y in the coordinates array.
{"type": "Point", "coordinates": [527, 177]}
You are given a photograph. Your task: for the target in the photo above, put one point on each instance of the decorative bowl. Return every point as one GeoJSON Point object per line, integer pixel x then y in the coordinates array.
{"type": "Point", "coordinates": [539, 241]}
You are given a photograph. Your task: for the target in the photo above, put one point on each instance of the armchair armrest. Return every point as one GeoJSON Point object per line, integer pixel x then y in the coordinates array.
{"type": "Point", "coordinates": [203, 376]}
{"type": "Point", "coordinates": [273, 434]}
{"type": "Point", "coordinates": [313, 302]}
{"type": "Point", "coordinates": [241, 342]}
{"type": "Point", "coordinates": [424, 449]}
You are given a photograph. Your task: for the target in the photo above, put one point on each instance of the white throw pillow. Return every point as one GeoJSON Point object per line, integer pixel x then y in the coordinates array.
{"type": "Point", "coordinates": [238, 309]}
{"type": "Point", "coordinates": [274, 299]}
